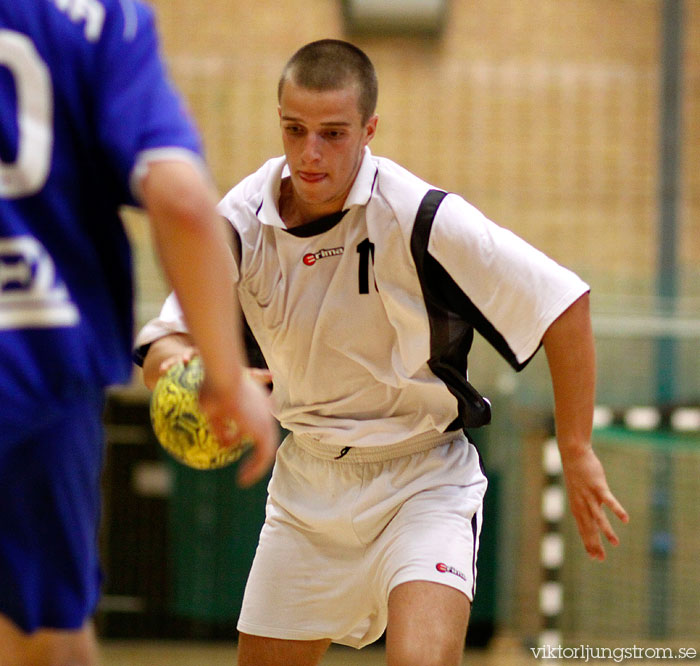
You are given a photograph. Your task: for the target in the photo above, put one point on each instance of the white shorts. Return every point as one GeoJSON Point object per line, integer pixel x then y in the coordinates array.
{"type": "Point", "coordinates": [341, 533]}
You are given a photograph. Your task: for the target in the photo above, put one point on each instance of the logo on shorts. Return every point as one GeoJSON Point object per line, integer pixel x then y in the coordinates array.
{"type": "Point", "coordinates": [312, 257]}
{"type": "Point", "coordinates": [444, 568]}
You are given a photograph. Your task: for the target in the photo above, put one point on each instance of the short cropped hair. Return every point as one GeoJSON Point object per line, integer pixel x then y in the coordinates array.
{"type": "Point", "coordinates": [331, 64]}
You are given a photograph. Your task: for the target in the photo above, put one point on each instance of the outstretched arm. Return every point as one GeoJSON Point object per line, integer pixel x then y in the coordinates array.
{"type": "Point", "coordinates": [570, 351]}
{"type": "Point", "coordinates": [192, 246]}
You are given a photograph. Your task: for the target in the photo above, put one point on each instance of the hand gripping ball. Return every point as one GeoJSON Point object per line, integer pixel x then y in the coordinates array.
{"type": "Point", "coordinates": [179, 424]}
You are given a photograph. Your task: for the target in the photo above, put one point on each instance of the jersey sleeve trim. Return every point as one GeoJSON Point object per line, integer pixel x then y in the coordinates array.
{"type": "Point", "coordinates": [166, 154]}
{"type": "Point", "coordinates": [138, 356]}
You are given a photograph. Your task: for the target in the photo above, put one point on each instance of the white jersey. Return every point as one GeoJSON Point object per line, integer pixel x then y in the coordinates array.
{"type": "Point", "coordinates": [366, 317]}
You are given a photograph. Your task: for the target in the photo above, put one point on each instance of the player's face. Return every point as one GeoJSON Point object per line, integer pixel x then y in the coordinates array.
{"type": "Point", "coordinates": [324, 139]}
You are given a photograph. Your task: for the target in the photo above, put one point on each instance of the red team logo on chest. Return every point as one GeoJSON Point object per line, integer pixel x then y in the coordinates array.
{"type": "Point", "coordinates": [312, 257]}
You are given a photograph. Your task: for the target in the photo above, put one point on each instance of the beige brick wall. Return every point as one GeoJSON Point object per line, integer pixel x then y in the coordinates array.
{"type": "Point", "coordinates": [544, 115]}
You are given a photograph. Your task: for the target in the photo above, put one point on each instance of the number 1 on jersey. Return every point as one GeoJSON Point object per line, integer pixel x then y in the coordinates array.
{"type": "Point", "coordinates": [365, 249]}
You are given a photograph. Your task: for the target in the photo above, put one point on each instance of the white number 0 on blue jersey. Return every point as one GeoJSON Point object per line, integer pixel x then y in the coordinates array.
{"type": "Point", "coordinates": [31, 294]}
{"type": "Point", "coordinates": [28, 173]}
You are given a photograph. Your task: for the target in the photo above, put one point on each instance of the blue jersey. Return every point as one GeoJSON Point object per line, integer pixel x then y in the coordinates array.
{"type": "Point", "coordinates": [83, 97]}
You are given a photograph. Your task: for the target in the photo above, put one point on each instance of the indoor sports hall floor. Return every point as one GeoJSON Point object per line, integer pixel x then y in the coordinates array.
{"type": "Point", "coordinates": [503, 652]}
{"type": "Point", "coordinates": [129, 653]}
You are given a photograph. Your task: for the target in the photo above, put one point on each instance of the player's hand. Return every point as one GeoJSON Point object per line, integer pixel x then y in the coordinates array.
{"type": "Point", "coordinates": [185, 355]}
{"type": "Point", "coordinates": [261, 376]}
{"type": "Point", "coordinates": [588, 493]}
{"type": "Point", "coordinates": [249, 406]}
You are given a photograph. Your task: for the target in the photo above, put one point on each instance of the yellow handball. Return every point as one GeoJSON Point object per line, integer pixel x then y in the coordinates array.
{"type": "Point", "coordinates": [179, 424]}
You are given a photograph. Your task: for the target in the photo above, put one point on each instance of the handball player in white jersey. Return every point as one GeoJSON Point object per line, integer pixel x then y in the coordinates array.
{"type": "Point", "coordinates": [363, 286]}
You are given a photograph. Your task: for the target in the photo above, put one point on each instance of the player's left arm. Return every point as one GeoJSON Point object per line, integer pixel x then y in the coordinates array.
{"type": "Point", "coordinates": [570, 351]}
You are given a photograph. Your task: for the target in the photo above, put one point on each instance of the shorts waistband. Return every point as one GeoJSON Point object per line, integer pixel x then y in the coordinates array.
{"type": "Point", "coordinates": [367, 454]}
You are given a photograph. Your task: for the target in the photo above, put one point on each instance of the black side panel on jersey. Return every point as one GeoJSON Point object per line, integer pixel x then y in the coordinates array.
{"type": "Point", "coordinates": [451, 315]}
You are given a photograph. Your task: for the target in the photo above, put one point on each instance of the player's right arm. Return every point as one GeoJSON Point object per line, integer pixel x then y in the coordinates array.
{"type": "Point", "coordinates": [152, 146]}
{"type": "Point", "coordinates": [191, 244]}
{"type": "Point", "coordinates": [193, 249]}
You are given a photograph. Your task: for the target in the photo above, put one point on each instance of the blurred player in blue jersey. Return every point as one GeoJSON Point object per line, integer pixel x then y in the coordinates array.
{"type": "Point", "coordinates": [89, 122]}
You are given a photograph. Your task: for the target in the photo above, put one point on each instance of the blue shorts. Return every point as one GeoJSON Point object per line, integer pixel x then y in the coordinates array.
{"type": "Point", "coordinates": [49, 514]}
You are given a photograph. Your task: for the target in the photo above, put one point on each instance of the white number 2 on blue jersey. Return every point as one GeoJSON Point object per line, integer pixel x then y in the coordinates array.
{"type": "Point", "coordinates": [29, 171]}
